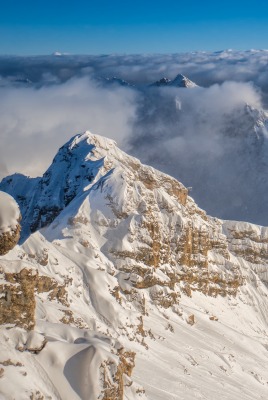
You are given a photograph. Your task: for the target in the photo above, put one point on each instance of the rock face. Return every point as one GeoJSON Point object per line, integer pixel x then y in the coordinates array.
{"type": "Point", "coordinates": [249, 242]}
{"type": "Point", "coordinates": [20, 284]}
{"type": "Point", "coordinates": [17, 302]}
{"type": "Point", "coordinates": [125, 263]}
{"type": "Point", "coordinates": [9, 239]}
{"type": "Point", "coordinates": [9, 223]}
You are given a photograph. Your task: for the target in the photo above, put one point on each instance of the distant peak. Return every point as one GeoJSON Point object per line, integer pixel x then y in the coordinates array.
{"type": "Point", "coordinates": [179, 81]}
{"type": "Point", "coordinates": [182, 81]}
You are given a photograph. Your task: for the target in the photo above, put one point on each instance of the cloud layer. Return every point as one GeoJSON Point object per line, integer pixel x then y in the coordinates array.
{"type": "Point", "coordinates": [212, 138]}
{"type": "Point", "coordinates": [203, 67]}
{"type": "Point", "coordinates": [34, 123]}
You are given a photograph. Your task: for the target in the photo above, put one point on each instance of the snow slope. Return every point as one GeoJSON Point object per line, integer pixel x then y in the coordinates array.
{"type": "Point", "coordinates": [136, 292]}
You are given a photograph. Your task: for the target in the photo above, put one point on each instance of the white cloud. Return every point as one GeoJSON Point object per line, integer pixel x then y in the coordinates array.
{"type": "Point", "coordinates": [34, 123]}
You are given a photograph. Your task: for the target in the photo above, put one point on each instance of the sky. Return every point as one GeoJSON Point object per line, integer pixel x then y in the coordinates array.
{"type": "Point", "coordinates": [104, 27]}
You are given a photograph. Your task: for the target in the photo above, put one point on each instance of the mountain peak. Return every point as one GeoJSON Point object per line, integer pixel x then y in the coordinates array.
{"type": "Point", "coordinates": [182, 81]}
{"type": "Point", "coordinates": [87, 138]}
{"type": "Point", "coordinates": [179, 81]}
{"type": "Point", "coordinates": [76, 167]}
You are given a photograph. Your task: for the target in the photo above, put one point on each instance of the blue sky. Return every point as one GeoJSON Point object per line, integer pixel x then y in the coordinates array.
{"type": "Point", "coordinates": [87, 27]}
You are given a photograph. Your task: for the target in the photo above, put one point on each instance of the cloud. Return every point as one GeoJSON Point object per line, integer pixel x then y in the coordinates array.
{"type": "Point", "coordinates": [3, 170]}
{"type": "Point", "coordinates": [206, 68]}
{"type": "Point", "coordinates": [211, 140]}
{"type": "Point", "coordinates": [34, 123]}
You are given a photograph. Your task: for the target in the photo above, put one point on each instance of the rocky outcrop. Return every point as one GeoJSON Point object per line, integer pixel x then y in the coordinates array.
{"type": "Point", "coordinates": [18, 288]}
{"type": "Point", "coordinates": [17, 302]}
{"type": "Point", "coordinates": [175, 245]}
{"type": "Point", "coordinates": [249, 242]}
{"type": "Point", "coordinates": [117, 375]}
{"type": "Point", "coordinates": [8, 240]}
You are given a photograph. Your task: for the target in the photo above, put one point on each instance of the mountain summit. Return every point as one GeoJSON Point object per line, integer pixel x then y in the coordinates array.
{"type": "Point", "coordinates": [182, 81]}
{"type": "Point", "coordinates": [124, 289]}
{"type": "Point", "coordinates": [179, 81]}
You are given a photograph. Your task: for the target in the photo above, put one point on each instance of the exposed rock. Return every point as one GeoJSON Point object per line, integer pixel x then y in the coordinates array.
{"type": "Point", "coordinates": [34, 343]}
{"type": "Point", "coordinates": [191, 319]}
{"type": "Point", "coordinates": [213, 318]}
{"type": "Point", "coordinates": [8, 362]}
{"type": "Point", "coordinates": [17, 300]}
{"type": "Point", "coordinates": [114, 389]}
{"type": "Point", "coordinates": [37, 395]}
{"type": "Point", "coordinates": [248, 241]}
{"type": "Point", "coordinates": [8, 240]}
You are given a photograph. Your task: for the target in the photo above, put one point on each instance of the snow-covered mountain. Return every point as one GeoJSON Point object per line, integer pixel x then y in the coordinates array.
{"type": "Point", "coordinates": [221, 153]}
{"type": "Point", "coordinates": [123, 288]}
{"type": "Point", "coordinates": [9, 223]}
{"type": "Point", "coordinates": [179, 81]}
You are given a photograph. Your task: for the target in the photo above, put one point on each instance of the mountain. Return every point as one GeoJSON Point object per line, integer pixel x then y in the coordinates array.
{"type": "Point", "coordinates": [123, 288]}
{"type": "Point", "coordinates": [179, 81]}
{"type": "Point", "coordinates": [182, 81]}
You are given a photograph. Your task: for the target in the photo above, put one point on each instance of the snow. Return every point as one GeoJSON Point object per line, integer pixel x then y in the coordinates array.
{"type": "Point", "coordinates": [9, 213]}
